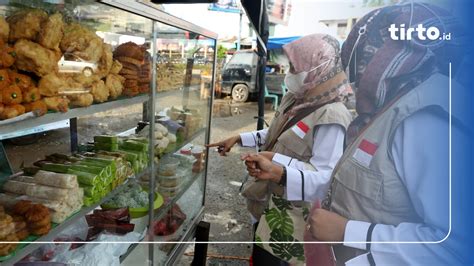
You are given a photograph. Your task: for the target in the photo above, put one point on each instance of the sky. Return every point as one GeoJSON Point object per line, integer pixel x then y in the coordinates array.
{"type": "Point", "coordinates": [302, 21]}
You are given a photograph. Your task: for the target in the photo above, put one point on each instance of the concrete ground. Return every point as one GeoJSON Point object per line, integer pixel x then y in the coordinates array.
{"type": "Point", "coordinates": [224, 209]}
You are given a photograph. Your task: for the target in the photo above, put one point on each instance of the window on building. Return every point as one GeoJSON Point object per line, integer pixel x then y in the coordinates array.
{"type": "Point", "coordinates": [341, 29]}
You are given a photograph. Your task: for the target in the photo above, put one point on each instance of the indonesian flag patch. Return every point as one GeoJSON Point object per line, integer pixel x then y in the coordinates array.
{"type": "Point", "coordinates": [365, 152]}
{"type": "Point", "coordinates": [300, 129]}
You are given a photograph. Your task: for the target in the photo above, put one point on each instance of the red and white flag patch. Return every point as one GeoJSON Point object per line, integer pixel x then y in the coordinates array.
{"type": "Point", "coordinates": [300, 129]}
{"type": "Point", "coordinates": [365, 152]}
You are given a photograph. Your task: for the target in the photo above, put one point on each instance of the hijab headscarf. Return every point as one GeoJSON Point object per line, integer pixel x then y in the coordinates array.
{"type": "Point", "coordinates": [324, 84]}
{"type": "Point", "coordinates": [383, 69]}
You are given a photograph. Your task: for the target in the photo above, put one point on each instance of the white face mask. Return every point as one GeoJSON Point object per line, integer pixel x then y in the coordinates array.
{"type": "Point", "coordinates": [294, 82]}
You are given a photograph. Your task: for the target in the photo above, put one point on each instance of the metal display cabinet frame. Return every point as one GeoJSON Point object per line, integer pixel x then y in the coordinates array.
{"type": "Point", "coordinates": [57, 120]}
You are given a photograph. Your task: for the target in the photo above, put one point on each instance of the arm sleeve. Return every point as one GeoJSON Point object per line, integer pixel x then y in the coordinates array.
{"type": "Point", "coordinates": [420, 154]}
{"type": "Point", "coordinates": [249, 139]}
{"type": "Point", "coordinates": [310, 181]}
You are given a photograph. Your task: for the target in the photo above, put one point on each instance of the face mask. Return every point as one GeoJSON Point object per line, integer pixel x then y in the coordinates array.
{"type": "Point", "coordinates": [294, 82]}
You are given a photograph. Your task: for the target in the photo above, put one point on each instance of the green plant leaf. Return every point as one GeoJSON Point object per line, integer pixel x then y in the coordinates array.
{"type": "Point", "coordinates": [282, 204]}
{"type": "Point", "coordinates": [305, 213]}
{"type": "Point", "coordinates": [279, 221]}
{"type": "Point", "coordinates": [286, 251]}
{"type": "Point", "coordinates": [258, 241]}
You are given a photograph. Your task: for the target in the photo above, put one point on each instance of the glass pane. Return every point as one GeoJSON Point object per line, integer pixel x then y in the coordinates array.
{"type": "Point", "coordinates": [87, 60]}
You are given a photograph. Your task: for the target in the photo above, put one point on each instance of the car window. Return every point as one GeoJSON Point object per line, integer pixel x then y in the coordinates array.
{"type": "Point", "coordinates": [242, 59]}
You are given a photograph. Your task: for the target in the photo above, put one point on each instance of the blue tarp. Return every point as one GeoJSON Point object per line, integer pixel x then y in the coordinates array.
{"type": "Point", "coordinates": [277, 43]}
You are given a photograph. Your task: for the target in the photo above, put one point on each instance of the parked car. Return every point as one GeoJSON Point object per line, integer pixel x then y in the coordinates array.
{"type": "Point", "coordinates": [239, 76]}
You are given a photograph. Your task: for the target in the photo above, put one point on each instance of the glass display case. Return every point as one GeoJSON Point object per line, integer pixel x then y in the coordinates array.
{"type": "Point", "coordinates": [105, 111]}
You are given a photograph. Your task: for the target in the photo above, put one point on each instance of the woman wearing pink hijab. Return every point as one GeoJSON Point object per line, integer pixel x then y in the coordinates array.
{"type": "Point", "coordinates": [307, 133]}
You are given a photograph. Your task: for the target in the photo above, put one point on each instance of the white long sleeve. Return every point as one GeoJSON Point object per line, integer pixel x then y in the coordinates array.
{"type": "Point", "coordinates": [420, 155]}
{"type": "Point", "coordinates": [327, 150]}
{"type": "Point", "coordinates": [249, 139]}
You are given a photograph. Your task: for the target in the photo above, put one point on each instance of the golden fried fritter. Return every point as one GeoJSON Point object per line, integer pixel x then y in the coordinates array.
{"type": "Point", "coordinates": [51, 85]}
{"type": "Point", "coordinates": [26, 24]}
{"type": "Point", "coordinates": [116, 67]}
{"type": "Point", "coordinates": [7, 55]}
{"type": "Point", "coordinates": [81, 42]}
{"type": "Point", "coordinates": [57, 103]}
{"type": "Point", "coordinates": [81, 100]}
{"type": "Point", "coordinates": [114, 84]}
{"type": "Point", "coordinates": [106, 61]}
{"type": "Point", "coordinates": [100, 92]}
{"type": "Point", "coordinates": [4, 29]}
{"type": "Point", "coordinates": [52, 32]}
{"type": "Point", "coordinates": [33, 57]}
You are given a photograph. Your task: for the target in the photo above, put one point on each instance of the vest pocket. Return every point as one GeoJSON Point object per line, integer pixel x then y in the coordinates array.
{"type": "Point", "coordinates": [292, 145]}
{"type": "Point", "coordinates": [359, 180]}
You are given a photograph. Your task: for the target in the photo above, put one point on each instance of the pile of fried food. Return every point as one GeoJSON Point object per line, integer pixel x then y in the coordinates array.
{"type": "Point", "coordinates": [136, 68]}
{"type": "Point", "coordinates": [23, 219]}
{"type": "Point", "coordinates": [47, 64]}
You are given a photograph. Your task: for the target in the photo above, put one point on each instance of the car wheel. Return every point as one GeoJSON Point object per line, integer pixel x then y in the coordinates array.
{"type": "Point", "coordinates": [87, 71]}
{"type": "Point", "coordinates": [240, 93]}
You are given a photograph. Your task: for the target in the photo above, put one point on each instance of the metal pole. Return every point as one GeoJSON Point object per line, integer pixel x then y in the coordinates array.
{"type": "Point", "coordinates": [240, 30]}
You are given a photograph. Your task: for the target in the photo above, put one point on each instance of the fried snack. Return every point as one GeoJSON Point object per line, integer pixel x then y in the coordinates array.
{"type": "Point", "coordinates": [100, 92]}
{"type": "Point", "coordinates": [26, 24]}
{"type": "Point", "coordinates": [33, 57]}
{"type": "Point", "coordinates": [144, 88]}
{"type": "Point", "coordinates": [22, 234]}
{"type": "Point", "coordinates": [51, 32]}
{"type": "Point", "coordinates": [131, 91]}
{"type": "Point", "coordinates": [31, 94]}
{"type": "Point", "coordinates": [4, 79]}
{"type": "Point", "coordinates": [81, 100]}
{"type": "Point", "coordinates": [6, 249]}
{"type": "Point", "coordinates": [51, 84]}
{"type": "Point", "coordinates": [12, 95]}
{"type": "Point", "coordinates": [20, 225]}
{"type": "Point", "coordinates": [22, 207]}
{"type": "Point", "coordinates": [2, 107]}
{"type": "Point", "coordinates": [114, 84]}
{"type": "Point", "coordinates": [126, 71]}
{"type": "Point", "coordinates": [57, 103]}
{"type": "Point", "coordinates": [4, 29]}
{"type": "Point", "coordinates": [41, 223]}
{"type": "Point", "coordinates": [81, 81]}
{"type": "Point", "coordinates": [131, 83]}
{"type": "Point", "coordinates": [129, 61]}
{"type": "Point", "coordinates": [106, 61]}
{"type": "Point", "coordinates": [36, 213]}
{"type": "Point", "coordinates": [7, 55]}
{"type": "Point", "coordinates": [131, 77]}
{"type": "Point", "coordinates": [17, 218]}
{"type": "Point", "coordinates": [11, 111]}
{"type": "Point", "coordinates": [82, 42]}
{"type": "Point", "coordinates": [130, 49]}
{"type": "Point", "coordinates": [38, 107]}
{"type": "Point", "coordinates": [8, 229]}
{"type": "Point", "coordinates": [130, 66]}
{"type": "Point", "coordinates": [22, 81]}
{"type": "Point", "coordinates": [5, 220]}
{"type": "Point", "coordinates": [42, 230]}
{"type": "Point", "coordinates": [116, 67]}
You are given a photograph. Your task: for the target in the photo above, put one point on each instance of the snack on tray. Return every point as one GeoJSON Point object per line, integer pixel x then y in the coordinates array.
{"type": "Point", "coordinates": [51, 84]}
{"type": "Point", "coordinates": [4, 29]}
{"type": "Point", "coordinates": [55, 180]}
{"type": "Point", "coordinates": [81, 100]}
{"type": "Point", "coordinates": [57, 103]}
{"type": "Point", "coordinates": [22, 207]}
{"type": "Point", "coordinates": [106, 61]}
{"type": "Point", "coordinates": [7, 55]}
{"type": "Point", "coordinates": [4, 79]}
{"type": "Point", "coordinates": [46, 192]}
{"type": "Point", "coordinates": [31, 94]}
{"type": "Point", "coordinates": [116, 67]}
{"type": "Point", "coordinates": [11, 111]}
{"type": "Point", "coordinates": [114, 84]}
{"type": "Point", "coordinates": [16, 187]}
{"type": "Point", "coordinates": [6, 249]}
{"type": "Point", "coordinates": [12, 95]}
{"type": "Point", "coordinates": [32, 57]}
{"type": "Point", "coordinates": [21, 80]}
{"type": "Point", "coordinates": [81, 42]}
{"type": "Point", "coordinates": [130, 50]}
{"type": "Point", "coordinates": [100, 92]}
{"type": "Point", "coordinates": [38, 107]}
{"type": "Point", "coordinates": [51, 33]}
{"type": "Point", "coordinates": [26, 24]}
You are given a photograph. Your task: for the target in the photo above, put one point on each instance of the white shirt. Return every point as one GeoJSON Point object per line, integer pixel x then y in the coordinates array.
{"type": "Point", "coordinates": [420, 155]}
{"type": "Point", "coordinates": [327, 149]}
